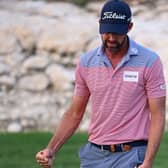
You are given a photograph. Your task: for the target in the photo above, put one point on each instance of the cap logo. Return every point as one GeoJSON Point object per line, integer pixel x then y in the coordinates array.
{"type": "Point", "coordinates": [113, 15]}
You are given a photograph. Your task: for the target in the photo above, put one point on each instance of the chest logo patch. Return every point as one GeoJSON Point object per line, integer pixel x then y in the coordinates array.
{"type": "Point", "coordinates": [130, 76]}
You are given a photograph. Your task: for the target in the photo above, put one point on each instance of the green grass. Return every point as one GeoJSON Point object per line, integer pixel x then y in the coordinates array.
{"type": "Point", "coordinates": [162, 156]}
{"type": "Point", "coordinates": [18, 150]}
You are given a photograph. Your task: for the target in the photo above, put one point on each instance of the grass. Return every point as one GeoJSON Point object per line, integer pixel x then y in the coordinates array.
{"type": "Point", "coordinates": [18, 150]}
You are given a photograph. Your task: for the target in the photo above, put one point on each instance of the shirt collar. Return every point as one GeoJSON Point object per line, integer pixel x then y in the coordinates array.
{"type": "Point", "coordinates": [132, 50]}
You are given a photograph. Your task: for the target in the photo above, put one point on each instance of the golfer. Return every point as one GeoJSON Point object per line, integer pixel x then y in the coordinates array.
{"type": "Point", "coordinates": [126, 87]}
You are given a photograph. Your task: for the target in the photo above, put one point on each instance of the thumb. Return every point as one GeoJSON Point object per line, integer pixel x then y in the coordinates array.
{"type": "Point", "coordinates": [46, 153]}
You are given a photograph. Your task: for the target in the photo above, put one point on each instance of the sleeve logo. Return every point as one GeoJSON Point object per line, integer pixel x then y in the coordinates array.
{"type": "Point", "coordinates": [163, 87]}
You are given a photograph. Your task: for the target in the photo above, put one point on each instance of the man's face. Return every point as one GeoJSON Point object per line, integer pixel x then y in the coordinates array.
{"type": "Point", "coordinates": [113, 42]}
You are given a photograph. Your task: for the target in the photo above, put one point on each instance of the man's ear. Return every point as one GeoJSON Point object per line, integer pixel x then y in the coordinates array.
{"type": "Point", "coordinates": [130, 26]}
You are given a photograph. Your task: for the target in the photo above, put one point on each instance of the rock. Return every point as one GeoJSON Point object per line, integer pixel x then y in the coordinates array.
{"type": "Point", "coordinates": [58, 36]}
{"type": "Point", "coordinates": [52, 41]}
{"type": "Point", "coordinates": [25, 38]}
{"type": "Point", "coordinates": [94, 7]}
{"type": "Point", "coordinates": [53, 10]}
{"type": "Point", "coordinates": [8, 42]}
{"type": "Point", "coordinates": [14, 59]}
{"type": "Point", "coordinates": [55, 57]}
{"type": "Point", "coordinates": [28, 124]}
{"type": "Point", "coordinates": [4, 68]}
{"type": "Point", "coordinates": [36, 63]}
{"type": "Point", "coordinates": [41, 43]}
{"type": "Point", "coordinates": [36, 82]}
{"type": "Point", "coordinates": [7, 82]}
{"type": "Point", "coordinates": [3, 116]}
{"type": "Point", "coordinates": [60, 78]}
{"type": "Point", "coordinates": [14, 127]}
{"type": "Point", "coordinates": [95, 42]}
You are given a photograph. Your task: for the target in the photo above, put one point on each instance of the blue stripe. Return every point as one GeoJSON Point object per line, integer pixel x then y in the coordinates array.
{"type": "Point", "coordinates": [143, 58]}
{"type": "Point", "coordinates": [142, 61]}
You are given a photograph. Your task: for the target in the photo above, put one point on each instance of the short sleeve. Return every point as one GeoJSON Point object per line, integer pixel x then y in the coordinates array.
{"type": "Point", "coordinates": [81, 88]}
{"type": "Point", "coordinates": [155, 82]}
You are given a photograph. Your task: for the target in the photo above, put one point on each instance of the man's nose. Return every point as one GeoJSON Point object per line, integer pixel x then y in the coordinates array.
{"type": "Point", "coordinates": [111, 36]}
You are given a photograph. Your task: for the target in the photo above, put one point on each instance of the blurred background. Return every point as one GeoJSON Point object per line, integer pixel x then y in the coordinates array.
{"type": "Point", "coordinates": [40, 44]}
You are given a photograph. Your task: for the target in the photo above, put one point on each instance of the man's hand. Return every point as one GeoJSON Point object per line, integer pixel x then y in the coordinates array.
{"type": "Point", "coordinates": [45, 158]}
{"type": "Point", "coordinates": [145, 165]}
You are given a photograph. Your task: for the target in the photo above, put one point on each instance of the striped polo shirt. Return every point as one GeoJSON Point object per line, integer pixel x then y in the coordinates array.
{"type": "Point", "coordinates": [119, 109]}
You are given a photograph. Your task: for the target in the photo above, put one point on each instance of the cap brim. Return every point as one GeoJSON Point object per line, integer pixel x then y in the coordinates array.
{"type": "Point", "coordinates": [113, 28]}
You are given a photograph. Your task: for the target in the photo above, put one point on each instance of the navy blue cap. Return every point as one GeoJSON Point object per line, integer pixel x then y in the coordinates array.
{"type": "Point", "coordinates": [115, 17]}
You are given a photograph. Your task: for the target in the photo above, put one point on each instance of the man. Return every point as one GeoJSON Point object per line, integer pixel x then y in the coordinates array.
{"type": "Point", "coordinates": [127, 91]}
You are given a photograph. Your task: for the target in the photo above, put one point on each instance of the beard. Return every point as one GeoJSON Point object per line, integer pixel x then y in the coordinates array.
{"type": "Point", "coordinates": [114, 46]}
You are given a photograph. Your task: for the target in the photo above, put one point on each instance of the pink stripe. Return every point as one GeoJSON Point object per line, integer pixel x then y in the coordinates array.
{"type": "Point", "coordinates": [113, 118]}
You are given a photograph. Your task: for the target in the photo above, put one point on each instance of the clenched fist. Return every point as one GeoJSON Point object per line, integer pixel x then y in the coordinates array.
{"type": "Point", "coordinates": [45, 158]}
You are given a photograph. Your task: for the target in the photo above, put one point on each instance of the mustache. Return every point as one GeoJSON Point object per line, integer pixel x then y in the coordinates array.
{"type": "Point", "coordinates": [112, 42]}
{"type": "Point", "coordinates": [118, 44]}
{"type": "Point", "coordinates": [115, 43]}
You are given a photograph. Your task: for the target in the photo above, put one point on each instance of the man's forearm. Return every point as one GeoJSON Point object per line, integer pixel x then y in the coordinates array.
{"type": "Point", "coordinates": [155, 135]}
{"type": "Point", "coordinates": [66, 128]}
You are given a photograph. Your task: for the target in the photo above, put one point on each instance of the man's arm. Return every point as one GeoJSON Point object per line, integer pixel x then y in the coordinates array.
{"type": "Point", "coordinates": [65, 129]}
{"type": "Point", "coordinates": [157, 109]}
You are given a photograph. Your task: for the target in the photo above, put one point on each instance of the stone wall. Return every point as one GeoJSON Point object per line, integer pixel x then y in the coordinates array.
{"type": "Point", "coordinates": [40, 44]}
